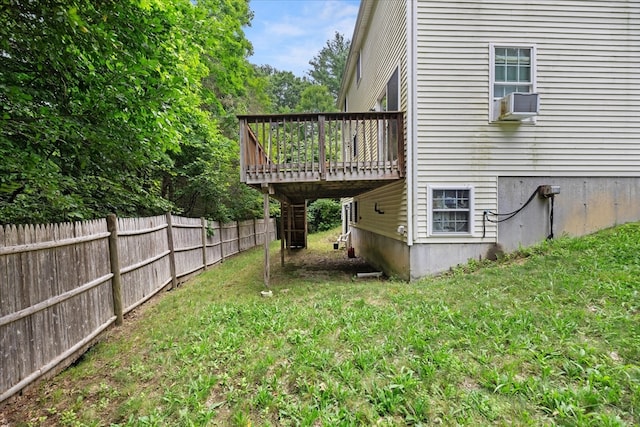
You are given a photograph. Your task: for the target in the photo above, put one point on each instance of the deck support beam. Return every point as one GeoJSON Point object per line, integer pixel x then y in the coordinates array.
{"type": "Point", "coordinates": [282, 234]}
{"type": "Point", "coordinates": [266, 191]}
{"type": "Point", "coordinates": [289, 226]}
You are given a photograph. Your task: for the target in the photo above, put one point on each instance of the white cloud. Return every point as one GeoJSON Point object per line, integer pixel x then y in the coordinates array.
{"type": "Point", "coordinates": [287, 34]}
{"type": "Point", "coordinates": [285, 29]}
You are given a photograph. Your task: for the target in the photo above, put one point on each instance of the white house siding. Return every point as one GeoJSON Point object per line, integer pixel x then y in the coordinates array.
{"type": "Point", "coordinates": [588, 78]}
{"type": "Point", "coordinates": [376, 236]}
{"type": "Point", "coordinates": [383, 210]}
{"type": "Point", "coordinates": [381, 53]}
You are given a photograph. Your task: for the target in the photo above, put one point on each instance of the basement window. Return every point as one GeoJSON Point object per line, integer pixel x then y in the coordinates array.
{"type": "Point", "coordinates": [451, 210]}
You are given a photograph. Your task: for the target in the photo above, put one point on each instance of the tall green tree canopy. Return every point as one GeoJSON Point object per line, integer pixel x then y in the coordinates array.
{"type": "Point", "coordinates": [283, 88]}
{"type": "Point", "coordinates": [328, 65]}
{"type": "Point", "coordinates": [316, 99]}
{"type": "Point", "coordinates": [103, 103]}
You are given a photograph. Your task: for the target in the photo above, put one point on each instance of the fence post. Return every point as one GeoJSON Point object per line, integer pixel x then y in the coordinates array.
{"type": "Point", "coordinates": [116, 283]}
{"type": "Point", "coordinates": [204, 243]}
{"type": "Point", "coordinates": [172, 254]}
{"type": "Point", "coordinates": [255, 232]}
{"type": "Point", "coordinates": [221, 225]}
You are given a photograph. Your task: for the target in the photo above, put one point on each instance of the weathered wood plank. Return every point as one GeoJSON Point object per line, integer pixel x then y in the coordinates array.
{"type": "Point", "coordinates": [55, 298]}
{"type": "Point", "coordinates": [214, 243]}
{"type": "Point", "coordinates": [310, 147]}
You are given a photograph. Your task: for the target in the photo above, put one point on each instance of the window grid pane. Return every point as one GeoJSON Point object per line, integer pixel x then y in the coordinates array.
{"type": "Point", "coordinates": [500, 90]}
{"type": "Point", "coordinates": [451, 211]}
{"type": "Point", "coordinates": [512, 65]}
{"type": "Point", "coordinates": [451, 222]}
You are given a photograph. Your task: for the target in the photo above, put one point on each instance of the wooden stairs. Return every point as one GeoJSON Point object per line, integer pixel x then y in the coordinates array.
{"type": "Point", "coordinates": [294, 217]}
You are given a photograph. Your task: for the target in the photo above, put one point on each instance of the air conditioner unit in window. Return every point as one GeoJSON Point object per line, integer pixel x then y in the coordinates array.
{"type": "Point", "coordinates": [519, 106]}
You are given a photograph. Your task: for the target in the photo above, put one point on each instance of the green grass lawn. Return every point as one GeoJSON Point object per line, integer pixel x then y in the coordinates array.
{"type": "Point", "coordinates": [548, 337]}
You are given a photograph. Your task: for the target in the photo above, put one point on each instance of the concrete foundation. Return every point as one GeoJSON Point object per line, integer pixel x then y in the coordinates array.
{"type": "Point", "coordinates": [388, 255]}
{"type": "Point", "coordinates": [428, 259]}
{"type": "Point", "coordinates": [583, 206]}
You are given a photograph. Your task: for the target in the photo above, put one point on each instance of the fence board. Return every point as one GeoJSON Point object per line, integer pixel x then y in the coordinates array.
{"type": "Point", "coordinates": [48, 298]}
{"type": "Point", "coordinates": [246, 235]}
{"type": "Point", "coordinates": [259, 231]}
{"type": "Point", "coordinates": [229, 234]}
{"type": "Point", "coordinates": [141, 283]}
{"type": "Point", "coordinates": [55, 281]}
{"type": "Point", "coordinates": [187, 243]}
{"type": "Point", "coordinates": [214, 243]}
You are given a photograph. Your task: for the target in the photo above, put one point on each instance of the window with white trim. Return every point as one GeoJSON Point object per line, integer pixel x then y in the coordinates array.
{"type": "Point", "coordinates": [451, 210]}
{"type": "Point", "coordinates": [513, 70]}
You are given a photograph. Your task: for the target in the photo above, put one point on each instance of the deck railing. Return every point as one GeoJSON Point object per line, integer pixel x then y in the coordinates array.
{"type": "Point", "coordinates": [323, 146]}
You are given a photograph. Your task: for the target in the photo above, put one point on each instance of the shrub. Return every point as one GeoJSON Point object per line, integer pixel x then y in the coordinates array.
{"type": "Point", "coordinates": [323, 215]}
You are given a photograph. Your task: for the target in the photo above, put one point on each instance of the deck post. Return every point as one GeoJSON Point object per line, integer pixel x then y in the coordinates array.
{"type": "Point", "coordinates": [282, 234]}
{"type": "Point", "coordinates": [289, 225]}
{"type": "Point", "coordinates": [322, 147]}
{"type": "Point", "coordinates": [265, 191]}
{"type": "Point", "coordinates": [401, 143]}
{"type": "Point", "coordinates": [244, 140]}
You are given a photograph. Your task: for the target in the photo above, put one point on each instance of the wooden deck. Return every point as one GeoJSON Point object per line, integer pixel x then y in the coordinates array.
{"type": "Point", "coordinates": [325, 155]}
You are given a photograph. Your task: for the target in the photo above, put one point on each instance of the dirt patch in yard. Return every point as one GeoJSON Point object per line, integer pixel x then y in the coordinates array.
{"type": "Point", "coordinates": [321, 262]}
{"type": "Point", "coordinates": [337, 262]}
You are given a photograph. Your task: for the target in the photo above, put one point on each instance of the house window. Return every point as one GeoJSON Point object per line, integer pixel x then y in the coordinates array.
{"type": "Point", "coordinates": [354, 211]}
{"type": "Point", "coordinates": [451, 210]}
{"type": "Point", "coordinates": [388, 132]}
{"type": "Point", "coordinates": [358, 68]}
{"type": "Point", "coordinates": [513, 70]}
{"type": "Point", "coordinates": [393, 94]}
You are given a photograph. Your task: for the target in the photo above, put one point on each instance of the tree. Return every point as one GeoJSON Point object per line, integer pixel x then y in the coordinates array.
{"type": "Point", "coordinates": [204, 180]}
{"type": "Point", "coordinates": [103, 103]}
{"type": "Point", "coordinates": [316, 99]}
{"type": "Point", "coordinates": [328, 66]}
{"type": "Point", "coordinates": [323, 215]}
{"type": "Point", "coordinates": [283, 88]}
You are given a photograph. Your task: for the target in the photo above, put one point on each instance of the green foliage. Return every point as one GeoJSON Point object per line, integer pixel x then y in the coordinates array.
{"type": "Point", "coordinates": [84, 114]}
{"type": "Point", "coordinates": [98, 100]}
{"type": "Point", "coordinates": [316, 99]}
{"type": "Point", "coordinates": [323, 215]}
{"type": "Point", "coordinates": [283, 88]}
{"type": "Point", "coordinates": [204, 179]}
{"type": "Point", "coordinates": [328, 66]}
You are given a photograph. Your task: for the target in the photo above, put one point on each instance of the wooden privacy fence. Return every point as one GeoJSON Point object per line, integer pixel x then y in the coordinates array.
{"type": "Point", "coordinates": [61, 285]}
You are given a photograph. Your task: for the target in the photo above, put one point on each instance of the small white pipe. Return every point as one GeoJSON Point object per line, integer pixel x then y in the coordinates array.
{"type": "Point", "coordinates": [373, 274]}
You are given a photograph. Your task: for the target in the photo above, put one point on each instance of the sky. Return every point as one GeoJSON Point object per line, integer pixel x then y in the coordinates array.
{"type": "Point", "coordinates": [287, 34]}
